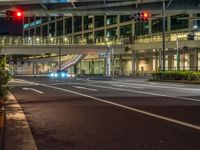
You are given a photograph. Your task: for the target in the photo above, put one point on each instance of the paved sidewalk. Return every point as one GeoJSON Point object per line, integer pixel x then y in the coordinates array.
{"type": "Point", "coordinates": [18, 135]}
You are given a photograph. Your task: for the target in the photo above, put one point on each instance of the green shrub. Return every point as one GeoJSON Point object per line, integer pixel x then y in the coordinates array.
{"type": "Point", "coordinates": [176, 75]}
{"type": "Point", "coordinates": [4, 77]}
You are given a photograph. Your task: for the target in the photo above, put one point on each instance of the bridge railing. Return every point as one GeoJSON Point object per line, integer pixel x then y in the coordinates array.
{"type": "Point", "coordinates": [169, 37]}
{"type": "Point", "coordinates": [38, 40]}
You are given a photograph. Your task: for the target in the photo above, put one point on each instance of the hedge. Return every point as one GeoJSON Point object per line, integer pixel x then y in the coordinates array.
{"type": "Point", "coordinates": [176, 75]}
{"type": "Point", "coordinates": [4, 77]}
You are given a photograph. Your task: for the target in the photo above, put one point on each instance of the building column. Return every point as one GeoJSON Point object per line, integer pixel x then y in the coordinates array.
{"type": "Point", "coordinates": [108, 63]}
{"type": "Point", "coordinates": [169, 23]}
{"type": "Point", "coordinates": [194, 61]}
{"type": "Point", "coordinates": [160, 59]}
{"type": "Point", "coordinates": [105, 25]}
{"type": "Point", "coordinates": [64, 26]}
{"type": "Point", "coordinates": [133, 63]}
{"type": "Point", "coordinates": [72, 30]}
{"type": "Point", "coordinates": [149, 26]}
{"type": "Point", "coordinates": [171, 62]}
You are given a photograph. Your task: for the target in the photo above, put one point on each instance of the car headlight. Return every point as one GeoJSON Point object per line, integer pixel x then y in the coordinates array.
{"type": "Point", "coordinates": [63, 75]}
{"type": "Point", "coordinates": [55, 75]}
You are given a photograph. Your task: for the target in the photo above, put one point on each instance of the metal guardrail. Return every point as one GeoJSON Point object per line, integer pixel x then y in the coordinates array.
{"type": "Point", "coordinates": [169, 37]}
{"type": "Point", "coordinates": [62, 40]}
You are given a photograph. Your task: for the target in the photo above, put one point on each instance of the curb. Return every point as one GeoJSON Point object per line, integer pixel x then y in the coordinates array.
{"type": "Point", "coordinates": [2, 124]}
{"type": "Point", "coordinates": [18, 135]}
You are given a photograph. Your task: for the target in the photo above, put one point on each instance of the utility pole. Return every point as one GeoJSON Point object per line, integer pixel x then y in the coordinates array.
{"type": "Point", "coordinates": [163, 36]}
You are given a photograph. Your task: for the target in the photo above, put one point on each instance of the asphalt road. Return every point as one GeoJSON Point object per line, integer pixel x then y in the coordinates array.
{"type": "Point", "coordinates": [123, 114]}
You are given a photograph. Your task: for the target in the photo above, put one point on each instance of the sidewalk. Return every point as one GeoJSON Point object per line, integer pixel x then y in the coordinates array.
{"type": "Point", "coordinates": [18, 135]}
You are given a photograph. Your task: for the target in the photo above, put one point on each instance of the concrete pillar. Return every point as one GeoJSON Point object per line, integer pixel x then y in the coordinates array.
{"type": "Point", "coordinates": [63, 26]}
{"type": "Point", "coordinates": [149, 26]}
{"type": "Point", "coordinates": [133, 63]}
{"type": "Point", "coordinates": [171, 62]}
{"type": "Point", "coordinates": [191, 21]}
{"type": "Point", "coordinates": [105, 24]}
{"type": "Point", "coordinates": [160, 59]}
{"type": "Point", "coordinates": [194, 61]}
{"type": "Point", "coordinates": [108, 63]}
{"type": "Point", "coordinates": [156, 61]}
{"type": "Point", "coordinates": [72, 30]}
{"type": "Point", "coordinates": [169, 23]}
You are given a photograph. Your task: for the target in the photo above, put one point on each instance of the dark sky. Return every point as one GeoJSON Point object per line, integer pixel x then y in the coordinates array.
{"type": "Point", "coordinates": [13, 27]}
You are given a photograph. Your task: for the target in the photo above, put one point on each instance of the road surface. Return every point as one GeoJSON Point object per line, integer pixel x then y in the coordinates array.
{"type": "Point", "coordinates": [122, 114]}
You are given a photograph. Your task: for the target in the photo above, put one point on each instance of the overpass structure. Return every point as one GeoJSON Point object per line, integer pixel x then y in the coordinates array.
{"type": "Point", "coordinates": [73, 27]}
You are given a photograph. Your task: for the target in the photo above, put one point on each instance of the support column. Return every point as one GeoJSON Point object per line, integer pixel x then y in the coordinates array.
{"type": "Point", "coordinates": [156, 61]}
{"type": "Point", "coordinates": [108, 63]}
{"type": "Point", "coordinates": [133, 63]}
{"type": "Point", "coordinates": [194, 61]}
{"type": "Point", "coordinates": [160, 60]}
{"type": "Point", "coordinates": [171, 62]}
{"type": "Point", "coordinates": [72, 30]}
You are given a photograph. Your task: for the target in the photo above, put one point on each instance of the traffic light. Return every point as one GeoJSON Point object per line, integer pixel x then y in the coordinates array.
{"type": "Point", "coordinates": [141, 17]}
{"type": "Point", "coordinates": [190, 37]}
{"type": "Point", "coordinates": [14, 14]}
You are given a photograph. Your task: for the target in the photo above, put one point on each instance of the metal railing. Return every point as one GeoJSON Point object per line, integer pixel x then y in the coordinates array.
{"type": "Point", "coordinates": [62, 40]}
{"type": "Point", "coordinates": [169, 37]}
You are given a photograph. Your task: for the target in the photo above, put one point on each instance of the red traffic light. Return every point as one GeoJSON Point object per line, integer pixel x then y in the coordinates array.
{"type": "Point", "coordinates": [14, 14]}
{"type": "Point", "coordinates": [19, 14]}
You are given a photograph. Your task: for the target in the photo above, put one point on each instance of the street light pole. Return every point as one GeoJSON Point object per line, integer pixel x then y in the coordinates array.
{"type": "Point", "coordinates": [163, 36]}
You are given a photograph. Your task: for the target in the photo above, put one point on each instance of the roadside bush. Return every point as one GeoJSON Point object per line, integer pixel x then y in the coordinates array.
{"type": "Point", "coordinates": [4, 77]}
{"type": "Point", "coordinates": [176, 75]}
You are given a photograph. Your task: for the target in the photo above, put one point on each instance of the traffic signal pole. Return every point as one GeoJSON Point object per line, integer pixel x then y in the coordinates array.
{"type": "Point", "coordinates": [163, 36]}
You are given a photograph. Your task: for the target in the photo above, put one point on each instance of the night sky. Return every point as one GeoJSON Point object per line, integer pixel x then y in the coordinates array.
{"type": "Point", "coordinates": [13, 27]}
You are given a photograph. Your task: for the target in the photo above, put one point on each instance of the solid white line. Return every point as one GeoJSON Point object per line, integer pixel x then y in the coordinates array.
{"type": "Point", "coordinates": [130, 108]}
{"type": "Point", "coordinates": [150, 85]}
{"type": "Point", "coordinates": [37, 91]}
{"type": "Point", "coordinates": [119, 85]}
{"type": "Point", "coordinates": [80, 87]}
{"type": "Point", "coordinates": [147, 93]}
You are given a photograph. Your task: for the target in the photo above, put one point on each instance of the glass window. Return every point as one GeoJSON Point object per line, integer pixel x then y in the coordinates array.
{"type": "Point", "coordinates": [141, 28]}
{"type": "Point", "coordinates": [26, 20]}
{"type": "Point", "coordinates": [32, 32]}
{"type": "Point", "coordinates": [99, 21]}
{"type": "Point", "coordinates": [77, 23]}
{"type": "Point", "coordinates": [52, 30]}
{"type": "Point", "coordinates": [68, 25]}
{"type": "Point", "coordinates": [179, 22]}
{"type": "Point", "coordinates": [99, 33]}
{"type": "Point", "coordinates": [26, 33]}
{"type": "Point", "coordinates": [44, 30]}
{"type": "Point", "coordinates": [59, 27]}
{"type": "Point", "coordinates": [111, 32]}
{"type": "Point", "coordinates": [44, 19]}
{"type": "Point", "coordinates": [198, 21]}
{"type": "Point", "coordinates": [111, 20]}
{"type": "Point", "coordinates": [88, 22]}
{"type": "Point", "coordinates": [157, 25]}
{"type": "Point", "coordinates": [126, 31]}
{"type": "Point", "coordinates": [38, 31]}
{"type": "Point", "coordinates": [125, 18]}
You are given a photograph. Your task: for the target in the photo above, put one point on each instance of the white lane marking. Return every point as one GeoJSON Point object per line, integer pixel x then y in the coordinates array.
{"type": "Point", "coordinates": [80, 87]}
{"type": "Point", "coordinates": [120, 85]}
{"type": "Point", "coordinates": [150, 85]}
{"type": "Point", "coordinates": [147, 93]}
{"type": "Point", "coordinates": [31, 89]}
{"type": "Point", "coordinates": [185, 124]}
{"type": "Point", "coordinates": [21, 81]}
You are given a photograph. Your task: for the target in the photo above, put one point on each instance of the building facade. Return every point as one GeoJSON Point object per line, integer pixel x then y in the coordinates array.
{"type": "Point", "coordinates": [143, 53]}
